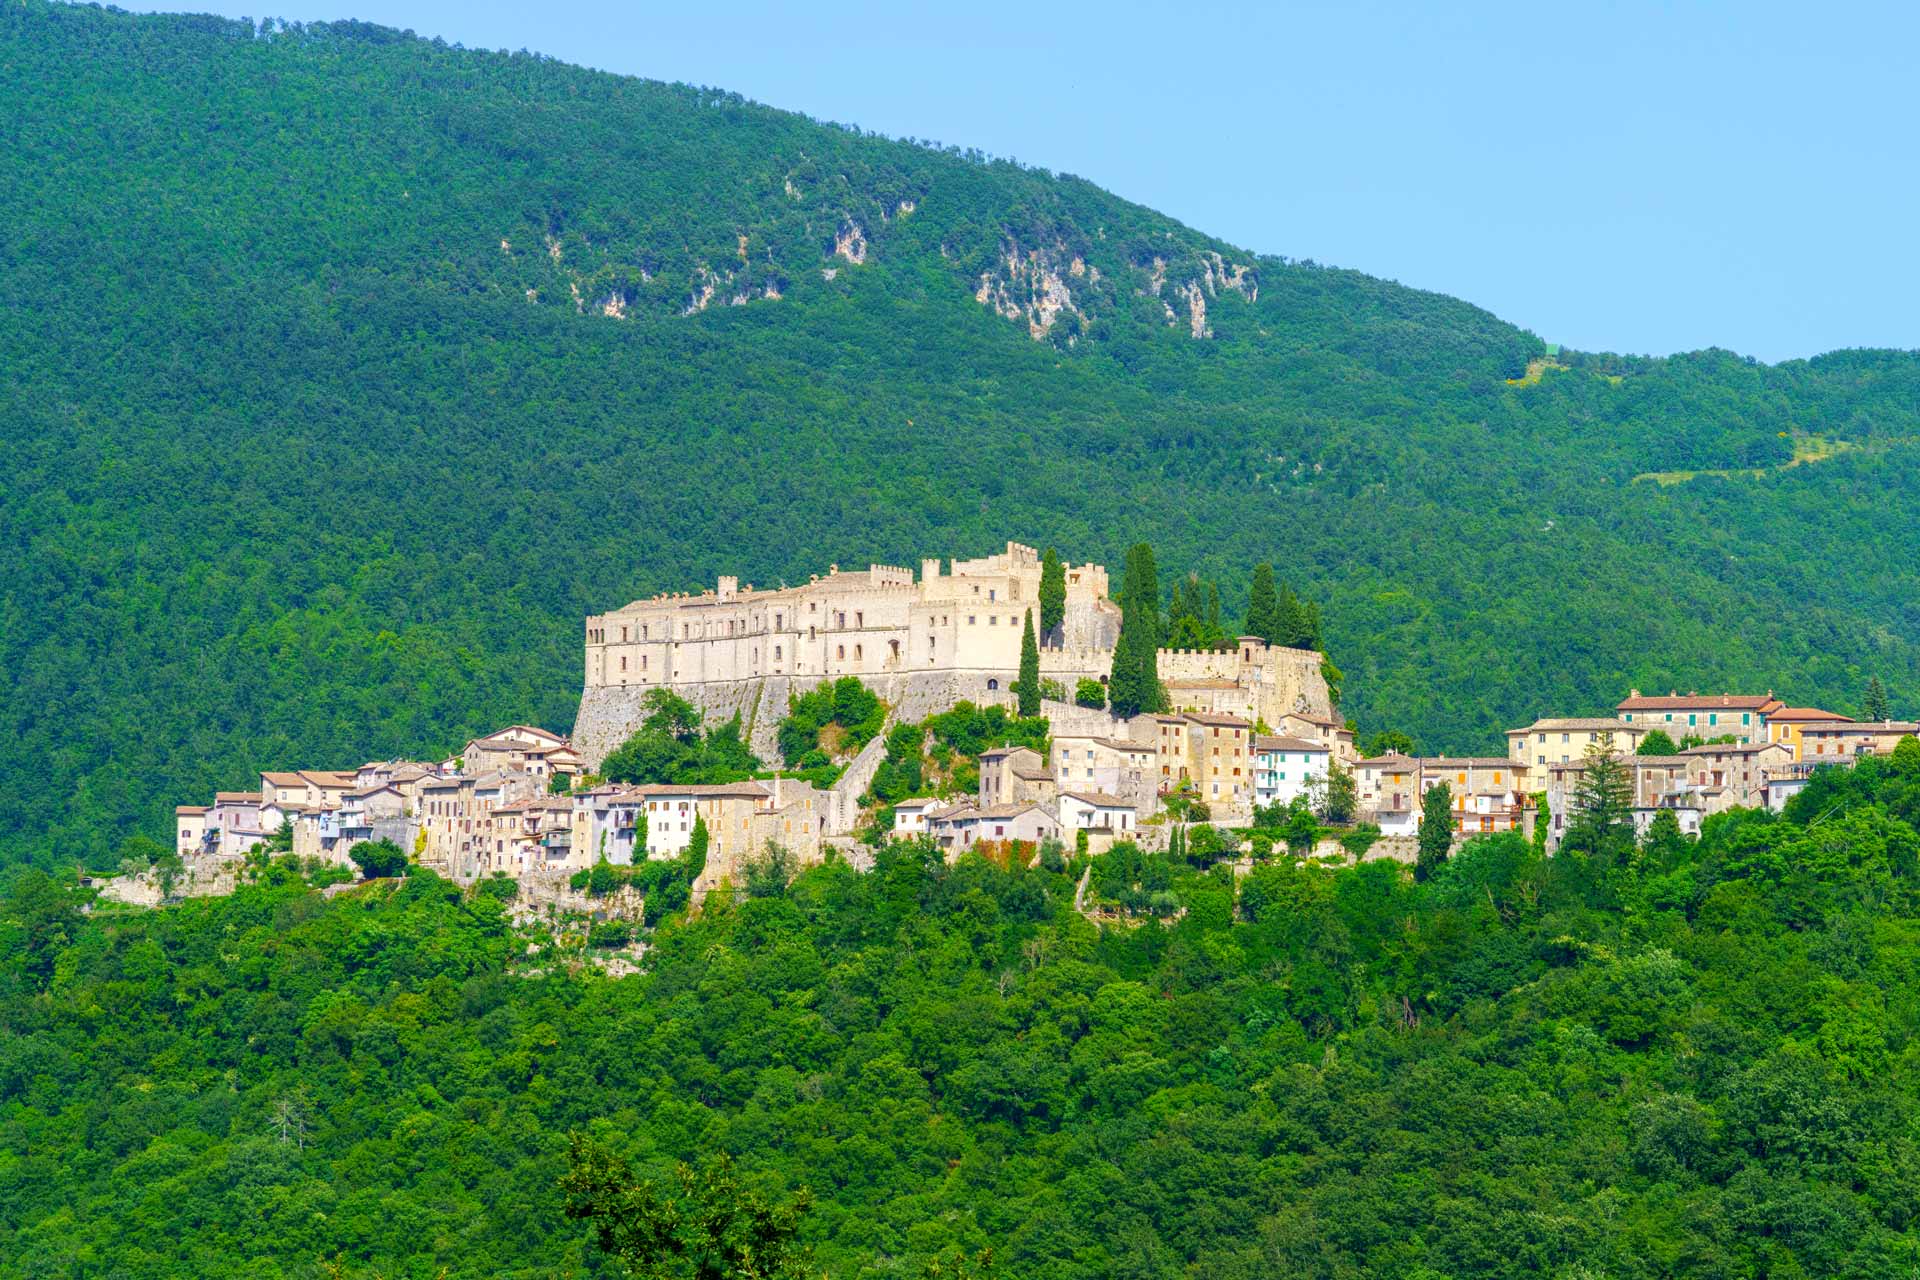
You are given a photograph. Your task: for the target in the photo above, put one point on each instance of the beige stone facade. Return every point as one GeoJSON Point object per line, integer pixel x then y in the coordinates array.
{"type": "Point", "coordinates": [920, 643]}
{"type": "Point", "coordinates": [1014, 775]}
{"type": "Point", "coordinates": [1837, 741]}
{"type": "Point", "coordinates": [1213, 753]}
{"type": "Point", "coordinates": [1489, 793]}
{"type": "Point", "coordinates": [1734, 774]}
{"type": "Point", "coordinates": [1655, 783]}
{"type": "Point", "coordinates": [1700, 715]}
{"type": "Point", "coordinates": [306, 788]}
{"type": "Point", "coordinates": [1567, 740]}
{"type": "Point", "coordinates": [1111, 766]}
{"type": "Point", "coordinates": [869, 622]}
{"type": "Point", "coordinates": [1387, 792]}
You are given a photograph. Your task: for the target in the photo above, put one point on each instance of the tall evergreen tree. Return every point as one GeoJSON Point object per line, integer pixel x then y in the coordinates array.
{"type": "Point", "coordinates": [1263, 606]}
{"type": "Point", "coordinates": [1874, 705]}
{"type": "Point", "coordinates": [1029, 682]}
{"type": "Point", "coordinates": [1290, 621]}
{"type": "Point", "coordinates": [1309, 626]}
{"type": "Point", "coordinates": [1435, 835]}
{"type": "Point", "coordinates": [1053, 596]}
{"type": "Point", "coordinates": [1135, 683]}
{"type": "Point", "coordinates": [1215, 632]}
{"type": "Point", "coordinates": [1601, 817]}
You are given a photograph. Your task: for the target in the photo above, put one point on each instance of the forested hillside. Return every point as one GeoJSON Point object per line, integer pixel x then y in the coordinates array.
{"type": "Point", "coordinates": [345, 371]}
{"type": "Point", "coordinates": [1633, 1062]}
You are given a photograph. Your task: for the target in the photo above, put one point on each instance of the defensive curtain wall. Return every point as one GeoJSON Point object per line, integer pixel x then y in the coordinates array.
{"type": "Point", "coordinates": [1282, 679]}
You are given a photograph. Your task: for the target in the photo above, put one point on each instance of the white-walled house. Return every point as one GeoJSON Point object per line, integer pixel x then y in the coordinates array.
{"type": "Point", "coordinates": [1286, 767]}
{"type": "Point", "coordinates": [1097, 811]}
{"type": "Point", "coordinates": [910, 816]}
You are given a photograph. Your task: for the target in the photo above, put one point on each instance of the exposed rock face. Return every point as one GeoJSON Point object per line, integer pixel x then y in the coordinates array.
{"type": "Point", "coordinates": [1197, 311]}
{"type": "Point", "coordinates": [704, 284]}
{"type": "Point", "coordinates": [851, 243]}
{"type": "Point", "coordinates": [1032, 285]}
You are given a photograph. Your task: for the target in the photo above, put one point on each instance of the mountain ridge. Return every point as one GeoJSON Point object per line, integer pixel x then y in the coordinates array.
{"type": "Point", "coordinates": [299, 472]}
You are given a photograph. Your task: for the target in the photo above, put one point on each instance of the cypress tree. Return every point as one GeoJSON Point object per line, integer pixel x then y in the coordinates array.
{"type": "Point", "coordinates": [1874, 706]}
{"type": "Point", "coordinates": [1263, 607]}
{"type": "Point", "coordinates": [1216, 634]}
{"type": "Point", "coordinates": [1135, 684]}
{"type": "Point", "coordinates": [1053, 596]}
{"type": "Point", "coordinates": [1290, 622]}
{"type": "Point", "coordinates": [1029, 671]}
{"type": "Point", "coordinates": [1436, 830]}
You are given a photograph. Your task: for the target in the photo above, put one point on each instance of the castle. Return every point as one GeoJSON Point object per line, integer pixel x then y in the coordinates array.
{"type": "Point", "coordinates": [921, 645]}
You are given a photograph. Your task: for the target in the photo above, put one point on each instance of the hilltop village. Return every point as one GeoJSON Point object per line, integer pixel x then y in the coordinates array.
{"type": "Point", "coordinates": [1235, 735]}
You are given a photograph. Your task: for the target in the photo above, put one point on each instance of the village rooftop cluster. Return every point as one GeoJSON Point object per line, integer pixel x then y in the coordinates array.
{"type": "Point", "coordinates": [1250, 725]}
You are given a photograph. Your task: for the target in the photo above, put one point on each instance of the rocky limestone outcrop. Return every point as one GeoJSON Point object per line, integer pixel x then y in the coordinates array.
{"type": "Point", "coordinates": [1031, 285]}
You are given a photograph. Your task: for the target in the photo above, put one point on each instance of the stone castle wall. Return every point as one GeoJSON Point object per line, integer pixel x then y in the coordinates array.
{"type": "Point", "coordinates": [610, 714]}
{"type": "Point", "coordinates": [1283, 680]}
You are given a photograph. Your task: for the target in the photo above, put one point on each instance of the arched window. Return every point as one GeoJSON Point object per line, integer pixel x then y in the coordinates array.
{"type": "Point", "coordinates": [840, 651]}
{"type": "Point", "coordinates": [992, 685]}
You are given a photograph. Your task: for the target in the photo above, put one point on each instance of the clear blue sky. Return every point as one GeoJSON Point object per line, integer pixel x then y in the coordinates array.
{"type": "Point", "coordinates": [1628, 177]}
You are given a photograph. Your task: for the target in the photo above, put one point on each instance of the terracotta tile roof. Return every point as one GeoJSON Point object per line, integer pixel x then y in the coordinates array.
{"type": "Point", "coordinates": [1279, 742]}
{"type": "Point", "coordinates": [705, 791]}
{"type": "Point", "coordinates": [1003, 811]}
{"type": "Point", "coordinates": [236, 797]}
{"type": "Point", "coordinates": [185, 809]}
{"type": "Point", "coordinates": [497, 737]}
{"type": "Point", "coordinates": [1100, 799]}
{"type": "Point", "coordinates": [1593, 724]}
{"type": "Point", "coordinates": [1218, 720]}
{"type": "Point", "coordinates": [1695, 702]}
{"type": "Point", "coordinates": [1805, 713]}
